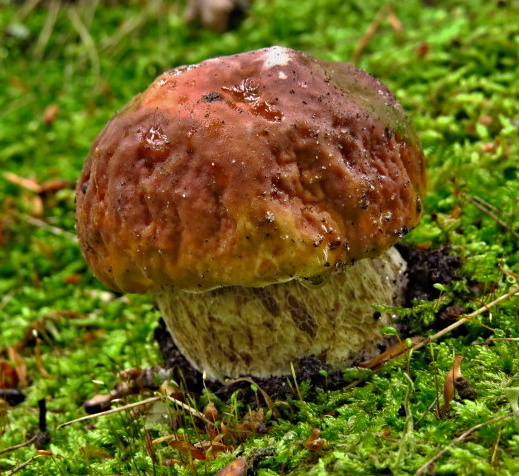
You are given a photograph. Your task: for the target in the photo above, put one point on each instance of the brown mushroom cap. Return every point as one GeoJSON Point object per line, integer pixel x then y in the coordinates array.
{"type": "Point", "coordinates": [248, 170]}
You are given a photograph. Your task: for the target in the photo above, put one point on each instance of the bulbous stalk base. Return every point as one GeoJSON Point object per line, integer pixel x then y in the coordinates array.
{"type": "Point", "coordinates": [236, 331]}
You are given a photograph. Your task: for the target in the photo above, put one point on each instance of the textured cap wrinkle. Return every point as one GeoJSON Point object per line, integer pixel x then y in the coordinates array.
{"type": "Point", "coordinates": [248, 170]}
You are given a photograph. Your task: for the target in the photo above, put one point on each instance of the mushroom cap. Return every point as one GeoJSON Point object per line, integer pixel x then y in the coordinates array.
{"type": "Point", "coordinates": [248, 170]}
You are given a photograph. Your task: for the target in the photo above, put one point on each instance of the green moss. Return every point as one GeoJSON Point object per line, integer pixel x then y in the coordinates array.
{"type": "Point", "coordinates": [453, 65]}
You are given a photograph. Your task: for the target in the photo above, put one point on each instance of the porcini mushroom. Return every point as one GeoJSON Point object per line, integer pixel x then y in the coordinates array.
{"type": "Point", "coordinates": [217, 15]}
{"type": "Point", "coordinates": [258, 196]}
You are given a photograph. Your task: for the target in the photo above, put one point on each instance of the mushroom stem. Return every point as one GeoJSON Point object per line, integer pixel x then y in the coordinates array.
{"type": "Point", "coordinates": [235, 331]}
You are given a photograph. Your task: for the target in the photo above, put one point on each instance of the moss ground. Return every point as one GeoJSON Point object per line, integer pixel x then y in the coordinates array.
{"type": "Point", "coordinates": [66, 67]}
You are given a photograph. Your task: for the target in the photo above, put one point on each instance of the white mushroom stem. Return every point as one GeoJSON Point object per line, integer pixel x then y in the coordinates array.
{"type": "Point", "coordinates": [234, 331]}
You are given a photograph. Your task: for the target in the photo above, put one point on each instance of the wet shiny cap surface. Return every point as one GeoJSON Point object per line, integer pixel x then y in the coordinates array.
{"type": "Point", "coordinates": [248, 170]}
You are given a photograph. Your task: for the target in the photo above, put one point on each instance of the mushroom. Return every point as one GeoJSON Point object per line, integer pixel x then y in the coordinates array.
{"type": "Point", "coordinates": [217, 15]}
{"type": "Point", "coordinates": [258, 196]}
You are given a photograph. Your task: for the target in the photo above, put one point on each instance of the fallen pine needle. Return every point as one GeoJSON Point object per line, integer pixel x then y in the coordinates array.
{"type": "Point", "coordinates": [183, 405]}
{"type": "Point", "coordinates": [491, 211]}
{"type": "Point", "coordinates": [370, 32]}
{"type": "Point", "coordinates": [191, 410]}
{"type": "Point", "coordinates": [501, 339]}
{"type": "Point", "coordinates": [465, 318]}
{"type": "Point", "coordinates": [23, 465]}
{"type": "Point", "coordinates": [264, 394]}
{"type": "Point", "coordinates": [21, 445]}
{"type": "Point", "coordinates": [462, 437]}
{"type": "Point", "coordinates": [431, 406]}
{"type": "Point", "coordinates": [111, 411]}
{"type": "Point", "coordinates": [423, 342]}
{"type": "Point", "coordinates": [400, 348]}
{"type": "Point", "coordinates": [53, 229]}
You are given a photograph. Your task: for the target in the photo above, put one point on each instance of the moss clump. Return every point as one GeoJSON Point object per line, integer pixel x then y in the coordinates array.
{"type": "Point", "coordinates": [66, 67]}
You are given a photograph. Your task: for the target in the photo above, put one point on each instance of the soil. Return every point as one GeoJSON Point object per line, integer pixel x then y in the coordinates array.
{"type": "Point", "coordinates": [425, 268]}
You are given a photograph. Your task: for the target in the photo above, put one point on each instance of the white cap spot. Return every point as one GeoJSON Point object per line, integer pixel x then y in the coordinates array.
{"type": "Point", "coordinates": [276, 56]}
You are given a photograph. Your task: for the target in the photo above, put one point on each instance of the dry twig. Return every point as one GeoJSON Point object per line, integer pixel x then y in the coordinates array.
{"type": "Point", "coordinates": [423, 342]}
{"type": "Point", "coordinates": [23, 465]}
{"type": "Point", "coordinates": [109, 412]}
{"type": "Point", "coordinates": [461, 438]}
{"type": "Point", "coordinates": [53, 229]}
{"type": "Point", "coordinates": [397, 350]}
{"type": "Point", "coordinates": [467, 317]}
{"type": "Point", "coordinates": [48, 28]}
{"type": "Point", "coordinates": [147, 401]}
{"type": "Point", "coordinates": [86, 40]}
{"type": "Point", "coordinates": [191, 410]}
{"type": "Point", "coordinates": [370, 32]}
{"type": "Point", "coordinates": [491, 211]}
{"type": "Point", "coordinates": [264, 394]}
{"type": "Point", "coordinates": [17, 447]}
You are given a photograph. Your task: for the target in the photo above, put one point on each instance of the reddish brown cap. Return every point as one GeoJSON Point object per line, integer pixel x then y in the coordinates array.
{"type": "Point", "coordinates": [248, 170]}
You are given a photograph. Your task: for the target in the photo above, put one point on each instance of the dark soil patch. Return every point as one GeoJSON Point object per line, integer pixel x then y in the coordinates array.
{"type": "Point", "coordinates": [425, 268]}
